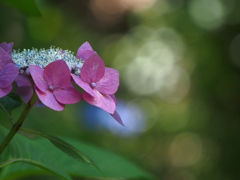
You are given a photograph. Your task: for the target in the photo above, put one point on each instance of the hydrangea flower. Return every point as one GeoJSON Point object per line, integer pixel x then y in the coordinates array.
{"type": "Point", "coordinates": [43, 57]}
{"type": "Point", "coordinates": [8, 71]}
{"type": "Point", "coordinates": [51, 71]}
{"type": "Point", "coordinates": [53, 85]}
{"type": "Point", "coordinates": [99, 83]}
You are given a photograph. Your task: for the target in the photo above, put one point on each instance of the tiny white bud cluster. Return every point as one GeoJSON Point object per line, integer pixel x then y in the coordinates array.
{"type": "Point", "coordinates": [43, 57]}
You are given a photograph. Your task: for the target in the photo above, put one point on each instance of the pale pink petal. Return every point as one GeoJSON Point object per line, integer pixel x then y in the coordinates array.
{"type": "Point", "coordinates": [5, 58]}
{"type": "Point", "coordinates": [109, 82]}
{"type": "Point", "coordinates": [8, 74]}
{"type": "Point", "coordinates": [25, 89]}
{"type": "Point", "coordinates": [102, 101]}
{"type": "Point", "coordinates": [23, 80]}
{"type": "Point", "coordinates": [7, 47]}
{"type": "Point", "coordinates": [57, 74]}
{"type": "Point", "coordinates": [114, 98]}
{"type": "Point", "coordinates": [37, 75]}
{"type": "Point", "coordinates": [48, 99]}
{"type": "Point", "coordinates": [25, 92]}
{"type": "Point", "coordinates": [5, 91]}
{"type": "Point", "coordinates": [68, 95]}
{"type": "Point", "coordinates": [116, 116]}
{"type": "Point", "coordinates": [85, 54]}
{"type": "Point", "coordinates": [85, 51]}
{"type": "Point", "coordinates": [92, 69]}
{"type": "Point", "coordinates": [84, 46]}
{"type": "Point", "coordinates": [85, 86]}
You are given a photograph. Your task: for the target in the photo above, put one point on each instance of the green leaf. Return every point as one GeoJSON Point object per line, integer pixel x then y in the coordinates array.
{"type": "Point", "coordinates": [66, 148]}
{"type": "Point", "coordinates": [10, 102]}
{"type": "Point", "coordinates": [41, 153]}
{"type": "Point", "coordinates": [27, 7]}
{"type": "Point", "coordinates": [22, 149]}
{"type": "Point", "coordinates": [112, 165]}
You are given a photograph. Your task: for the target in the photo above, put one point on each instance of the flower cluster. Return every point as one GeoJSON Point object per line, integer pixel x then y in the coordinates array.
{"type": "Point", "coordinates": [52, 72]}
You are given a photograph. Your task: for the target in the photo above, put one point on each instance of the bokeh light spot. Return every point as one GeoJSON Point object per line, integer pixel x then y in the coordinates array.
{"type": "Point", "coordinates": [208, 14]}
{"type": "Point", "coordinates": [155, 69]}
{"type": "Point", "coordinates": [185, 150]}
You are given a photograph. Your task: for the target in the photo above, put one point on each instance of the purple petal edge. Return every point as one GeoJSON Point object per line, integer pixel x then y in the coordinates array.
{"type": "Point", "coordinates": [117, 117]}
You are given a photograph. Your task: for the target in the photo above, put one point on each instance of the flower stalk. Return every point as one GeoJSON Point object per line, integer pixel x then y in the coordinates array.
{"type": "Point", "coordinates": [15, 128]}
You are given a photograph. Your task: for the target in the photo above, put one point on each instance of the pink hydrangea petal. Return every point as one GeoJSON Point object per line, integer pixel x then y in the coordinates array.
{"type": "Point", "coordinates": [25, 89]}
{"type": "Point", "coordinates": [25, 92]}
{"type": "Point", "coordinates": [85, 54]}
{"type": "Point", "coordinates": [109, 82]}
{"type": "Point", "coordinates": [7, 47]}
{"type": "Point", "coordinates": [85, 86]}
{"type": "Point", "coordinates": [117, 117]}
{"type": "Point", "coordinates": [8, 75]}
{"type": "Point", "coordinates": [5, 58]}
{"type": "Point", "coordinates": [114, 98]}
{"type": "Point", "coordinates": [48, 99]}
{"type": "Point", "coordinates": [85, 51]}
{"type": "Point", "coordinates": [37, 75]}
{"type": "Point", "coordinates": [93, 69]}
{"type": "Point", "coordinates": [85, 46]}
{"type": "Point", "coordinates": [23, 80]}
{"type": "Point", "coordinates": [57, 74]}
{"type": "Point", "coordinates": [68, 95]}
{"type": "Point", "coordinates": [5, 91]}
{"type": "Point", "coordinates": [102, 101]}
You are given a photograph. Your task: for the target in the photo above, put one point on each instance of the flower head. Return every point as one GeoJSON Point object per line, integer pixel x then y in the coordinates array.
{"type": "Point", "coordinates": [99, 82]}
{"type": "Point", "coordinates": [53, 85]}
{"type": "Point", "coordinates": [50, 72]}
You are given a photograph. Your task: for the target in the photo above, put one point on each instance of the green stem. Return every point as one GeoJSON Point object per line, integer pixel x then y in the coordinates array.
{"type": "Point", "coordinates": [18, 124]}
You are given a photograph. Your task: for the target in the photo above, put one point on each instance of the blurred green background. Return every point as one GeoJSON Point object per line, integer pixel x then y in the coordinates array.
{"type": "Point", "coordinates": [179, 63]}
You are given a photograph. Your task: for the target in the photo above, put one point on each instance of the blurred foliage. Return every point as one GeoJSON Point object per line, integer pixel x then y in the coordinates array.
{"type": "Point", "coordinates": [179, 63]}
{"type": "Point", "coordinates": [10, 102]}
{"type": "Point", "coordinates": [25, 152]}
{"type": "Point", "coordinates": [28, 7]}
